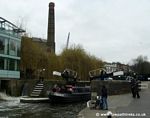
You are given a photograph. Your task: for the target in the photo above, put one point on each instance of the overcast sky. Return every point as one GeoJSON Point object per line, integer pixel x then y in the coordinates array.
{"type": "Point", "coordinates": [113, 30]}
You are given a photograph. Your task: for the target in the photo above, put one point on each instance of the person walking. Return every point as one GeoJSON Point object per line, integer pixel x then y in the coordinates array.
{"type": "Point", "coordinates": [104, 97]}
{"type": "Point", "coordinates": [137, 89]}
{"type": "Point", "coordinates": [133, 87]}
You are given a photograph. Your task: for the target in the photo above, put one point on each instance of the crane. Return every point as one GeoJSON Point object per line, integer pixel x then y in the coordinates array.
{"type": "Point", "coordinates": [68, 40]}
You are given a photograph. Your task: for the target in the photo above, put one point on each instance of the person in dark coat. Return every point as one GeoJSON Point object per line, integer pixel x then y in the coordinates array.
{"type": "Point", "coordinates": [104, 97]}
{"type": "Point", "coordinates": [133, 87]}
{"type": "Point", "coordinates": [137, 89]}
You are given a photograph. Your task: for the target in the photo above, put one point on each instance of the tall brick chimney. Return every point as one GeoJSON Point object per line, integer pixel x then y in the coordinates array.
{"type": "Point", "coordinates": [51, 28]}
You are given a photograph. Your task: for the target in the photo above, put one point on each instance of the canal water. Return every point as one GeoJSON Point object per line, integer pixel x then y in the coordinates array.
{"type": "Point", "coordinates": [10, 107]}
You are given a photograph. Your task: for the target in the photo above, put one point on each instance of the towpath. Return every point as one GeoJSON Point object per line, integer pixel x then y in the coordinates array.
{"type": "Point", "coordinates": [123, 105]}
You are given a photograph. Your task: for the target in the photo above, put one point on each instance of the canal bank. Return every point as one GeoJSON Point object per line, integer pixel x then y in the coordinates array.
{"type": "Point", "coordinates": [118, 91]}
{"type": "Point", "coordinates": [15, 87]}
{"type": "Point", "coordinates": [123, 103]}
{"type": "Point", "coordinates": [114, 101]}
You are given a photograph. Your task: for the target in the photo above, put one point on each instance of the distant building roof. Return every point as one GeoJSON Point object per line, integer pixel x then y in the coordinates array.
{"type": "Point", "coordinates": [40, 40]}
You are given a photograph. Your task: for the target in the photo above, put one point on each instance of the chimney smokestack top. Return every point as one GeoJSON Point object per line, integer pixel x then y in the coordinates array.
{"type": "Point", "coordinates": [51, 4]}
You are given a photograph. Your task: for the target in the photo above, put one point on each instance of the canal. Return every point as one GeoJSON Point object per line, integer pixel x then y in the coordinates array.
{"type": "Point", "coordinates": [10, 107]}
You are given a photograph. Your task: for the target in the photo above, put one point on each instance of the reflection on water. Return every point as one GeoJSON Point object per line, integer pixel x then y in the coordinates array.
{"type": "Point", "coordinates": [12, 108]}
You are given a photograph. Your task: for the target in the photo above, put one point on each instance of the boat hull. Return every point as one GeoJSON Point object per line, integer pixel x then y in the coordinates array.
{"type": "Point", "coordinates": [34, 100]}
{"type": "Point", "coordinates": [69, 97]}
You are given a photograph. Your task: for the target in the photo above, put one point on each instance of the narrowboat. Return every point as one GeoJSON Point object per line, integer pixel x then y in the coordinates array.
{"type": "Point", "coordinates": [70, 94]}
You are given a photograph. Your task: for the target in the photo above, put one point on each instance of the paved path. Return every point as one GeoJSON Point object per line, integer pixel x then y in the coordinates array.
{"type": "Point", "coordinates": [138, 106]}
{"type": "Point", "coordinates": [123, 104]}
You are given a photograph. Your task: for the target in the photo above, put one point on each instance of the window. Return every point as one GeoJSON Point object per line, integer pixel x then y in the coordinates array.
{"type": "Point", "coordinates": [18, 65]}
{"type": "Point", "coordinates": [2, 45]}
{"type": "Point", "coordinates": [11, 64]}
{"type": "Point", "coordinates": [12, 48]}
{"type": "Point", "coordinates": [1, 63]}
{"type": "Point", "coordinates": [18, 49]}
{"type": "Point", "coordinates": [7, 46]}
